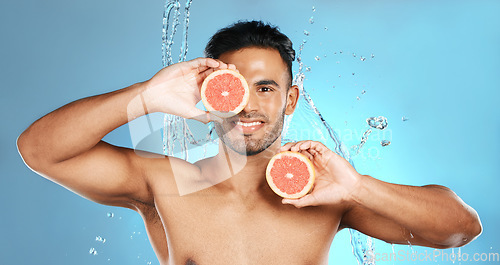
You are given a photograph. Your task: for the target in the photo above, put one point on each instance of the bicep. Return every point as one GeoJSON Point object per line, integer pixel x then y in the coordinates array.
{"type": "Point", "coordinates": [375, 225]}
{"type": "Point", "coordinates": [105, 174]}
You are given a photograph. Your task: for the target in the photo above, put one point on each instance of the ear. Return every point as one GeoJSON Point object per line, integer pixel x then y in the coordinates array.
{"type": "Point", "coordinates": [292, 98]}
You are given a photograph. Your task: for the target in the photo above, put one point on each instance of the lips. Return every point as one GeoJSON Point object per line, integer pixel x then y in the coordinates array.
{"type": "Point", "coordinates": [247, 126]}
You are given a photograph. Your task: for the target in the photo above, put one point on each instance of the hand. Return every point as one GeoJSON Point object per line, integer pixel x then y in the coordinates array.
{"type": "Point", "coordinates": [176, 89]}
{"type": "Point", "coordinates": [335, 177]}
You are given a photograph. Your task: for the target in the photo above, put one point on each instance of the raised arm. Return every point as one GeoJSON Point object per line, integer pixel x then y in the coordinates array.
{"type": "Point", "coordinates": [431, 215]}
{"type": "Point", "coordinates": [65, 145]}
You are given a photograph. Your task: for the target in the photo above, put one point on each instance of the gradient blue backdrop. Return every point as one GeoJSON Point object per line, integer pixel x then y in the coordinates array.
{"type": "Point", "coordinates": [436, 63]}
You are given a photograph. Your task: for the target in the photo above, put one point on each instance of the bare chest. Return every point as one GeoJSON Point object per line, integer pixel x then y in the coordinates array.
{"type": "Point", "coordinates": [217, 230]}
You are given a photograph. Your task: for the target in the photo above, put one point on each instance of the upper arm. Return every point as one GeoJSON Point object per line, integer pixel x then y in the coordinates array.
{"type": "Point", "coordinates": [105, 174]}
{"type": "Point", "coordinates": [372, 224]}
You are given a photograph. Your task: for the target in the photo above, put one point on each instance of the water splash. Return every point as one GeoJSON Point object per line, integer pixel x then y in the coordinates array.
{"type": "Point", "coordinates": [379, 123]}
{"type": "Point", "coordinates": [362, 248]}
{"type": "Point", "coordinates": [100, 239]}
{"type": "Point", "coordinates": [175, 127]}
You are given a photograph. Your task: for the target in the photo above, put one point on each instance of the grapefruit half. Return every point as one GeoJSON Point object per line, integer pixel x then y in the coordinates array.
{"type": "Point", "coordinates": [225, 93]}
{"type": "Point", "coordinates": [290, 174]}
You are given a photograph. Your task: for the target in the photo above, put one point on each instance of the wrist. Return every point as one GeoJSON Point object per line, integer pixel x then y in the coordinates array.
{"type": "Point", "coordinates": [357, 187]}
{"type": "Point", "coordinates": [146, 97]}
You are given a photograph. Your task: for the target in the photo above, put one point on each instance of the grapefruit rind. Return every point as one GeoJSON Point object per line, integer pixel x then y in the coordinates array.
{"type": "Point", "coordinates": [306, 188]}
{"type": "Point", "coordinates": [240, 107]}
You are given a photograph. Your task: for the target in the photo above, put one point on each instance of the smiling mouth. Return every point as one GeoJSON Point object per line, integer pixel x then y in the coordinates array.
{"type": "Point", "coordinates": [248, 124]}
{"type": "Point", "coordinates": [247, 127]}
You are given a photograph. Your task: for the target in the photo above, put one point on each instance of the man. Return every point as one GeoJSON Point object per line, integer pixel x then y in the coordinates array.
{"type": "Point", "coordinates": [239, 220]}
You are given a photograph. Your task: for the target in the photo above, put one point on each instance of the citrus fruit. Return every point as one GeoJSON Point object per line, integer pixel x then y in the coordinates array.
{"type": "Point", "coordinates": [225, 93]}
{"type": "Point", "coordinates": [290, 174]}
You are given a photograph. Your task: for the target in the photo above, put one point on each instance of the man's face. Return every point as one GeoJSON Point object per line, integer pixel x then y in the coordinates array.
{"type": "Point", "coordinates": [260, 123]}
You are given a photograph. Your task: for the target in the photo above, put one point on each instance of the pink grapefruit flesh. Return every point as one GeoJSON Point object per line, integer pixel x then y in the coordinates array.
{"type": "Point", "coordinates": [290, 174]}
{"type": "Point", "coordinates": [225, 93]}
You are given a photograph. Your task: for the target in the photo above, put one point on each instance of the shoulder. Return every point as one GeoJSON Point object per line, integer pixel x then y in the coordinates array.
{"type": "Point", "coordinates": [164, 174]}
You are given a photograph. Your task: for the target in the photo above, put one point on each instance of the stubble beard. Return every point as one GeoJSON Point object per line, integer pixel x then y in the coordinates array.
{"type": "Point", "coordinates": [246, 144]}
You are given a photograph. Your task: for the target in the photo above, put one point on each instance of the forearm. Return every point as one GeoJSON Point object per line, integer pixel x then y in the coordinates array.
{"type": "Point", "coordinates": [79, 126]}
{"type": "Point", "coordinates": [432, 212]}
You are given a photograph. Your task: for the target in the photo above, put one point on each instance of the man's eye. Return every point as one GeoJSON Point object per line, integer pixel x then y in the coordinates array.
{"type": "Point", "coordinates": [265, 89]}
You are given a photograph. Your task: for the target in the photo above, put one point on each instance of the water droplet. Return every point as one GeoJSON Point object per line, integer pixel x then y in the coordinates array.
{"type": "Point", "coordinates": [100, 239]}
{"type": "Point", "coordinates": [339, 75]}
{"type": "Point", "coordinates": [110, 215]}
{"type": "Point", "coordinates": [352, 73]}
{"type": "Point", "coordinates": [362, 58]}
{"type": "Point", "coordinates": [333, 86]}
{"type": "Point", "coordinates": [334, 52]}
{"type": "Point", "coordinates": [379, 122]}
{"type": "Point", "coordinates": [304, 41]}
{"type": "Point", "coordinates": [324, 55]}
{"type": "Point", "coordinates": [404, 118]}
{"type": "Point", "coordinates": [311, 20]}
{"type": "Point", "coordinates": [326, 28]}
{"type": "Point", "coordinates": [363, 92]}
{"type": "Point", "coordinates": [385, 142]}
{"type": "Point", "coordinates": [313, 9]}
{"type": "Point", "coordinates": [306, 32]}
{"type": "Point", "coordinates": [148, 263]}
{"type": "Point", "coordinates": [341, 51]}
{"type": "Point", "coordinates": [353, 55]}
{"type": "Point", "coordinates": [358, 98]}
{"type": "Point", "coordinates": [317, 58]}
{"type": "Point", "coordinates": [308, 69]}
{"type": "Point", "coordinates": [92, 251]}
{"type": "Point", "coordinates": [372, 55]}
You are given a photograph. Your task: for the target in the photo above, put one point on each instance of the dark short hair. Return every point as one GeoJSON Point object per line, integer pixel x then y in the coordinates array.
{"type": "Point", "coordinates": [244, 34]}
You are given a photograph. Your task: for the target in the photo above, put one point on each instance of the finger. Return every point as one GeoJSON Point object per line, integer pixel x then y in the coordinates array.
{"type": "Point", "coordinates": [199, 115]}
{"type": "Point", "coordinates": [308, 155]}
{"type": "Point", "coordinates": [287, 146]}
{"type": "Point", "coordinates": [302, 145]}
{"type": "Point", "coordinates": [215, 118]}
{"type": "Point", "coordinates": [203, 74]}
{"type": "Point", "coordinates": [307, 200]}
{"type": "Point", "coordinates": [232, 67]}
{"type": "Point", "coordinates": [202, 64]}
{"type": "Point", "coordinates": [222, 65]}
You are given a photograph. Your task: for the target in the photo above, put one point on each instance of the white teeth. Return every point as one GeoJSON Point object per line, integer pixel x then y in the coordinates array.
{"type": "Point", "coordinates": [248, 124]}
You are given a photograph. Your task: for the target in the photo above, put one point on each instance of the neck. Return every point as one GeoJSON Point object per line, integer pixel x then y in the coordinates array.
{"type": "Point", "coordinates": [244, 174]}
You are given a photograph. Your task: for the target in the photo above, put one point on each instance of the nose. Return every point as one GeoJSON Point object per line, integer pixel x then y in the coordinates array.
{"type": "Point", "coordinates": [253, 103]}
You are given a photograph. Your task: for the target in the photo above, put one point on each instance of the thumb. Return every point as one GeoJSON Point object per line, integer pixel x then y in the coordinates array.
{"type": "Point", "coordinates": [199, 115]}
{"type": "Point", "coordinates": [203, 116]}
{"type": "Point", "coordinates": [307, 200]}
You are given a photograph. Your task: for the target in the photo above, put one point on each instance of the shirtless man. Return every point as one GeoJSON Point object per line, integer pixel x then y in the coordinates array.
{"type": "Point", "coordinates": [239, 220]}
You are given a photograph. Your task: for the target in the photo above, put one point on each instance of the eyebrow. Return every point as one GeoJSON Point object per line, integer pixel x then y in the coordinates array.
{"type": "Point", "coordinates": [266, 82]}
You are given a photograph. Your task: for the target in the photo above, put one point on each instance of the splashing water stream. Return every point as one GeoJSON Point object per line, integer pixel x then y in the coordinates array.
{"type": "Point", "coordinates": [177, 135]}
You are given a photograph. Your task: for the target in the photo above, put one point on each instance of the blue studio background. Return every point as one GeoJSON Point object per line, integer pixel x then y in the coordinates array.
{"type": "Point", "coordinates": [434, 63]}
